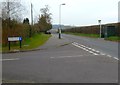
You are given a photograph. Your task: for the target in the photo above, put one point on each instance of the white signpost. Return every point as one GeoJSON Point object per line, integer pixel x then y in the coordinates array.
{"type": "Point", "coordinates": [13, 39]}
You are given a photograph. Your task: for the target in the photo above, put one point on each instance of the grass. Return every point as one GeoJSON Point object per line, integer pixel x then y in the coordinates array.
{"type": "Point", "coordinates": [85, 35]}
{"type": "Point", "coordinates": [29, 43]}
{"type": "Point", "coordinates": [113, 38]}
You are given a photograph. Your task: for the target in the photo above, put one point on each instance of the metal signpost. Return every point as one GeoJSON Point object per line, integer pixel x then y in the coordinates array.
{"type": "Point", "coordinates": [13, 39]}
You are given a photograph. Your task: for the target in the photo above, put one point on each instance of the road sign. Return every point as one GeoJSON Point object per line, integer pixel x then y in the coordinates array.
{"type": "Point", "coordinates": [12, 39]}
{"type": "Point", "coordinates": [20, 38]}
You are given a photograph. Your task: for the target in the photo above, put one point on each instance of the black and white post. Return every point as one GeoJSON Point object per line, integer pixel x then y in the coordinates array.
{"type": "Point", "coordinates": [99, 21]}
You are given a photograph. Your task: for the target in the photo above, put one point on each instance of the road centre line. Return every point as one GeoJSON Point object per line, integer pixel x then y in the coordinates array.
{"type": "Point", "coordinates": [109, 56]}
{"type": "Point", "coordinates": [87, 47]}
{"type": "Point", "coordinates": [102, 54]}
{"type": "Point", "coordinates": [84, 49]}
{"type": "Point", "coordinates": [92, 51]}
{"type": "Point", "coordinates": [115, 58]}
{"type": "Point", "coordinates": [96, 51]}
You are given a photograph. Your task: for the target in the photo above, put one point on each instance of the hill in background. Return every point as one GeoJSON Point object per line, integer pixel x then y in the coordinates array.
{"type": "Point", "coordinates": [62, 26]}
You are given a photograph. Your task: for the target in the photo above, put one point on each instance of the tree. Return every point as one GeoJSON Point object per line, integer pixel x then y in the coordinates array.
{"type": "Point", "coordinates": [26, 21]}
{"type": "Point", "coordinates": [11, 20]}
{"type": "Point", "coordinates": [45, 19]}
{"type": "Point", "coordinates": [12, 9]}
{"type": "Point", "coordinates": [46, 14]}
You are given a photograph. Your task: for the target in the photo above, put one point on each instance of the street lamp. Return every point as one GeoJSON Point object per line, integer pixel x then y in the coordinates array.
{"type": "Point", "coordinates": [59, 30]}
{"type": "Point", "coordinates": [99, 21]}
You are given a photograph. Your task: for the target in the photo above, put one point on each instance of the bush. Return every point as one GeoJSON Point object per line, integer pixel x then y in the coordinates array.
{"type": "Point", "coordinates": [14, 29]}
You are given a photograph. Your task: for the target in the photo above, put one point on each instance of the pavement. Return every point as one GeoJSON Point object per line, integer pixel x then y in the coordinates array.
{"type": "Point", "coordinates": [54, 42]}
{"type": "Point", "coordinates": [71, 59]}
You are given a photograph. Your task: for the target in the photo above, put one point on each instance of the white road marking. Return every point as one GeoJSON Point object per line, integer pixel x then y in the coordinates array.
{"type": "Point", "coordinates": [96, 54]}
{"type": "Point", "coordinates": [102, 53]}
{"type": "Point", "coordinates": [98, 51]}
{"type": "Point", "coordinates": [109, 56]}
{"type": "Point", "coordinates": [115, 58]}
{"type": "Point", "coordinates": [84, 48]}
{"type": "Point", "coordinates": [91, 50]}
{"type": "Point", "coordinates": [9, 59]}
{"type": "Point", "coordinates": [93, 53]}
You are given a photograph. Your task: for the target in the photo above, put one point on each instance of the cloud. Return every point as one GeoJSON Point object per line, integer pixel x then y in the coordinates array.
{"type": "Point", "coordinates": [78, 12]}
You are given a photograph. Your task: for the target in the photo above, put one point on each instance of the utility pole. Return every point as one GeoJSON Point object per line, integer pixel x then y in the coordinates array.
{"type": "Point", "coordinates": [8, 10]}
{"type": "Point", "coordinates": [8, 20]}
{"type": "Point", "coordinates": [31, 20]}
{"type": "Point", "coordinates": [31, 14]}
{"type": "Point", "coordinates": [8, 16]}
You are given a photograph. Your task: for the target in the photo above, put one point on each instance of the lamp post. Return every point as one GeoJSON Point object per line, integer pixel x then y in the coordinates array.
{"type": "Point", "coordinates": [59, 29]}
{"type": "Point", "coordinates": [99, 21]}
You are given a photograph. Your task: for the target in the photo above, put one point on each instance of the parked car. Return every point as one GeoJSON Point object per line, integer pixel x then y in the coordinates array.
{"type": "Point", "coordinates": [47, 32]}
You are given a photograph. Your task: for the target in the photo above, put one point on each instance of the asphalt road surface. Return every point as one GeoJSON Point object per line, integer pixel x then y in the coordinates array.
{"type": "Point", "coordinates": [71, 59]}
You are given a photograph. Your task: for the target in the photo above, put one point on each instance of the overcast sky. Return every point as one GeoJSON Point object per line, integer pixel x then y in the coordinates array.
{"type": "Point", "coordinates": [77, 12]}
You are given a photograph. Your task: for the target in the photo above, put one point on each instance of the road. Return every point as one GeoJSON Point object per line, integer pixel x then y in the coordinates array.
{"type": "Point", "coordinates": [71, 59]}
{"type": "Point", "coordinates": [106, 47]}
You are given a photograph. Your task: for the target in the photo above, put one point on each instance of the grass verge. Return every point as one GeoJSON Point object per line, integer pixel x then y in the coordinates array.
{"type": "Point", "coordinates": [113, 38]}
{"type": "Point", "coordinates": [28, 43]}
{"type": "Point", "coordinates": [85, 35]}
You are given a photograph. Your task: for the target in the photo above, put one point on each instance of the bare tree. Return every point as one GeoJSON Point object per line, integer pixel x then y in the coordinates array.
{"type": "Point", "coordinates": [12, 9]}
{"type": "Point", "coordinates": [11, 16]}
